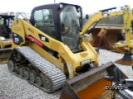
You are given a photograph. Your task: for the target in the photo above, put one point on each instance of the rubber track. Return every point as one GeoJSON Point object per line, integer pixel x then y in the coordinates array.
{"type": "Point", "coordinates": [56, 75]}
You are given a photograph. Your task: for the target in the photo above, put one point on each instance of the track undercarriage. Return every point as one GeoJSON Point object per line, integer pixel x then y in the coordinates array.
{"type": "Point", "coordinates": [27, 64]}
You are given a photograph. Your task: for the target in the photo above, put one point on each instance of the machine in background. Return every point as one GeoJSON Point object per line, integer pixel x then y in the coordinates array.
{"type": "Point", "coordinates": [112, 30]}
{"type": "Point", "coordinates": [5, 37]}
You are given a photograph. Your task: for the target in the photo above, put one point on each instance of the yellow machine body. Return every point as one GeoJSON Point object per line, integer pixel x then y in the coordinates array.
{"type": "Point", "coordinates": [66, 59]}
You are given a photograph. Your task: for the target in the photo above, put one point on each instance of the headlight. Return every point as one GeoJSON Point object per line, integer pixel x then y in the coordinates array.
{"type": "Point", "coordinates": [85, 62]}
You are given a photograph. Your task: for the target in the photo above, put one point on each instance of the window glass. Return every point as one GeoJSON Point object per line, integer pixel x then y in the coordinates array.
{"type": "Point", "coordinates": [38, 15]}
{"type": "Point", "coordinates": [1, 21]}
{"type": "Point", "coordinates": [70, 21]}
{"type": "Point", "coordinates": [44, 21]}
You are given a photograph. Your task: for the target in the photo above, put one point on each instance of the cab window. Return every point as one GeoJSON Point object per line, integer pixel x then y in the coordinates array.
{"type": "Point", "coordinates": [45, 22]}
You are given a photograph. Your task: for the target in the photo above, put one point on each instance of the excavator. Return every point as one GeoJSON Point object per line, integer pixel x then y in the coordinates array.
{"type": "Point", "coordinates": [112, 30]}
{"type": "Point", "coordinates": [51, 53]}
{"type": "Point", "coordinates": [5, 36]}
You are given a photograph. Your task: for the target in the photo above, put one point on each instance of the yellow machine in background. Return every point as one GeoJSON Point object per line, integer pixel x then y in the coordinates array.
{"type": "Point", "coordinates": [5, 37]}
{"type": "Point", "coordinates": [5, 30]}
{"type": "Point", "coordinates": [112, 31]}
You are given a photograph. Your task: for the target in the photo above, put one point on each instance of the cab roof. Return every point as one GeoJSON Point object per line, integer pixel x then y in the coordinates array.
{"type": "Point", "coordinates": [54, 5]}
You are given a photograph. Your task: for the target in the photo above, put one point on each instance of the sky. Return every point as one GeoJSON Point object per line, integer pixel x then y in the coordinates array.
{"type": "Point", "coordinates": [89, 6]}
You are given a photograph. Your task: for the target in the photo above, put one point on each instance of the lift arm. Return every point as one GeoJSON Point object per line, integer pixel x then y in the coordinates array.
{"type": "Point", "coordinates": [97, 17]}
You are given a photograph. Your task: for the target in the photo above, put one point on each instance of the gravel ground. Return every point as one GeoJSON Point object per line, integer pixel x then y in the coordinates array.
{"type": "Point", "coordinates": [12, 87]}
{"type": "Point", "coordinates": [107, 56]}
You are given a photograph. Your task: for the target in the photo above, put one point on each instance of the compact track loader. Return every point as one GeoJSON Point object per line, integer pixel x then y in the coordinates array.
{"type": "Point", "coordinates": [50, 50]}
{"type": "Point", "coordinates": [50, 53]}
{"type": "Point", "coordinates": [5, 37]}
{"type": "Point", "coordinates": [112, 30]}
